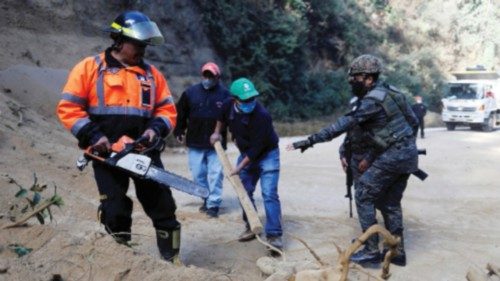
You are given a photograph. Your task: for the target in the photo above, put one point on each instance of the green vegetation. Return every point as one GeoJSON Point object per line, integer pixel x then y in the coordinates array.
{"type": "Point", "coordinates": [29, 204]}
{"type": "Point", "coordinates": [297, 52]}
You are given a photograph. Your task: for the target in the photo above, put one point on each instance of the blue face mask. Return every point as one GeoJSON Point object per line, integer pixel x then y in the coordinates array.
{"type": "Point", "coordinates": [208, 83]}
{"type": "Point", "coordinates": [247, 107]}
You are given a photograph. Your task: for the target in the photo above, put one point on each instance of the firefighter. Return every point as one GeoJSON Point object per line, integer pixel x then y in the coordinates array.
{"type": "Point", "coordinates": [116, 93]}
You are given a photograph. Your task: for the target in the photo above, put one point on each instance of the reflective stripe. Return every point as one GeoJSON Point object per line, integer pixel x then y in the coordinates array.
{"type": "Point", "coordinates": [167, 122]}
{"type": "Point", "coordinates": [100, 82]}
{"type": "Point", "coordinates": [100, 90]}
{"type": "Point", "coordinates": [74, 99]}
{"type": "Point", "coordinates": [150, 77]}
{"type": "Point", "coordinates": [119, 110]}
{"type": "Point", "coordinates": [98, 59]}
{"type": "Point", "coordinates": [165, 101]}
{"type": "Point", "coordinates": [79, 125]}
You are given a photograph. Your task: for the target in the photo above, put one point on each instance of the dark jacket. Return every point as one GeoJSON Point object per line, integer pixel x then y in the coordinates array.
{"type": "Point", "coordinates": [197, 111]}
{"type": "Point", "coordinates": [253, 133]}
{"type": "Point", "coordinates": [420, 110]}
{"type": "Point", "coordinates": [400, 156]}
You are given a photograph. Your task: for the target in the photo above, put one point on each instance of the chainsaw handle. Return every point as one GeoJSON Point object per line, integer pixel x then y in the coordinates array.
{"type": "Point", "coordinates": [121, 150]}
{"type": "Point", "coordinates": [140, 140]}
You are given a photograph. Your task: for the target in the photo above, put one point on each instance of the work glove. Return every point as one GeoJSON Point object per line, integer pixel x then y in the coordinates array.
{"type": "Point", "coordinates": [303, 144]}
{"type": "Point", "coordinates": [102, 146]}
{"type": "Point", "coordinates": [150, 134]}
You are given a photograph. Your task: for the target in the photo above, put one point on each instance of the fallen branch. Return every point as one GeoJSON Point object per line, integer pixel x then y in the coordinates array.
{"type": "Point", "coordinates": [389, 239]}
{"type": "Point", "coordinates": [313, 253]}
{"type": "Point", "coordinates": [54, 200]}
{"type": "Point", "coordinates": [246, 204]}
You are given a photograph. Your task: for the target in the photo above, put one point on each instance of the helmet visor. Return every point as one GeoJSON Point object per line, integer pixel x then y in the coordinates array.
{"type": "Point", "coordinates": [147, 32]}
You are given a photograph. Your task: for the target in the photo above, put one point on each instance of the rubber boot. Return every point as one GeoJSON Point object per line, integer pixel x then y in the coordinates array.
{"type": "Point", "coordinates": [400, 258]}
{"type": "Point", "coordinates": [369, 254]}
{"type": "Point", "coordinates": [168, 242]}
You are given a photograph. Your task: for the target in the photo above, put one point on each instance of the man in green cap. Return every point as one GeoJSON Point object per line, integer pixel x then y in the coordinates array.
{"type": "Point", "coordinates": [252, 131]}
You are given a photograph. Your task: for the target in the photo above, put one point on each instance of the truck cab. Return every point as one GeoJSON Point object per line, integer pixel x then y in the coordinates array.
{"type": "Point", "coordinates": [472, 100]}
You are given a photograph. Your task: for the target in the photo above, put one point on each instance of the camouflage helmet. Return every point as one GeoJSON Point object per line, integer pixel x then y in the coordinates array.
{"type": "Point", "coordinates": [366, 64]}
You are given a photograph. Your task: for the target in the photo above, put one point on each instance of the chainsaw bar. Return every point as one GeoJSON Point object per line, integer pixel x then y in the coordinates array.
{"type": "Point", "coordinates": [182, 184]}
{"type": "Point", "coordinates": [140, 165]}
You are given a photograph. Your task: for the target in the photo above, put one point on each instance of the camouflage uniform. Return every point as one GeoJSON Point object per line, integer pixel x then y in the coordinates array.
{"type": "Point", "coordinates": [384, 119]}
{"type": "Point", "coordinates": [357, 146]}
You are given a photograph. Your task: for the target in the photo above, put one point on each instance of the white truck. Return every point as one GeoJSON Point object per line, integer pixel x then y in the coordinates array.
{"type": "Point", "coordinates": [472, 100]}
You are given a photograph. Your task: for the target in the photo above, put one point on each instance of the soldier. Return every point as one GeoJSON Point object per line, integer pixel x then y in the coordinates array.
{"type": "Point", "coordinates": [420, 111]}
{"type": "Point", "coordinates": [385, 116]}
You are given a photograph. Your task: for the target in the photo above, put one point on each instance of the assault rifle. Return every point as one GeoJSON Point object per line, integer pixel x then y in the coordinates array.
{"type": "Point", "coordinates": [349, 178]}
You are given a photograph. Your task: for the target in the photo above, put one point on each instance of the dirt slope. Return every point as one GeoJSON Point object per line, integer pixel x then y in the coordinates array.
{"type": "Point", "coordinates": [451, 219]}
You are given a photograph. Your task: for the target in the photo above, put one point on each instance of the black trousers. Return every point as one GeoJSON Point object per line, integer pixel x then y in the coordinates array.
{"type": "Point", "coordinates": [116, 206]}
{"type": "Point", "coordinates": [421, 126]}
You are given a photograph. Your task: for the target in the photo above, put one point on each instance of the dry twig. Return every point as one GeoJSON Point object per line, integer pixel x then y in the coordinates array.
{"type": "Point", "coordinates": [390, 240]}
{"type": "Point", "coordinates": [54, 200]}
{"type": "Point", "coordinates": [313, 253]}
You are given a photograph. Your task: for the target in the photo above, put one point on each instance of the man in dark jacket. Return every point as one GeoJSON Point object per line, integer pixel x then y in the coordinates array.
{"type": "Point", "coordinates": [252, 130]}
{"type": "Point", "coordinates": [197, 111]}
{"type": "Point", "coordinates": [420, 110]}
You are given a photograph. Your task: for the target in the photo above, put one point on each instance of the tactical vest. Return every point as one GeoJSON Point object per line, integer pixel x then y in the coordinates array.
{"type": "Point", "coordinates": [397, 127]}
{"type": "Point", "coordinates": [359, 142]}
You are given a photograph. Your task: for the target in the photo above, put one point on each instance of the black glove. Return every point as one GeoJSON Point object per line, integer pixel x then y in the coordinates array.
{"type": "Point", "coordinates": [303, 144]}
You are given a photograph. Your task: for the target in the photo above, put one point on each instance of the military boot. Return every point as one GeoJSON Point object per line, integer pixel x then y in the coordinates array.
{"type": "Point", "coordinates": [369, 254]}
{"type": "Point", "coordinates": [400, 257]}
{"type": "Point", "coordinates": [168, 242]}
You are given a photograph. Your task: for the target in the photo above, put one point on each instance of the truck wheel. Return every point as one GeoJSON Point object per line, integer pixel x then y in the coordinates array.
{"type": "Point", "coordinates": [450, 126]}
{"type": "Point", "coordinates": [489, 124]}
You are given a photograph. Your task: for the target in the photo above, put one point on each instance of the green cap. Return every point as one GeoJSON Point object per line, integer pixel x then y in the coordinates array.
{"type": "Point", "coordinates": [243, 89]}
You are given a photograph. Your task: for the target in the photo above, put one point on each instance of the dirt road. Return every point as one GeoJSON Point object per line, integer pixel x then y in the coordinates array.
{"type": "Point", "coordinates": [451, 220]}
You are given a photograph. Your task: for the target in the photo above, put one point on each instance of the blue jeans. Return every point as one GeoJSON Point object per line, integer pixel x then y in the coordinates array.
{"type": "Point", "coordinates": [267, 169]}
{"type": "Point", "coordinates": [207, 171]}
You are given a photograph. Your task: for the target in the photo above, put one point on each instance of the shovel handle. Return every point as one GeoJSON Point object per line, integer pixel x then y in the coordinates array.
{"type": "Point", "coordinates": [246, 204]}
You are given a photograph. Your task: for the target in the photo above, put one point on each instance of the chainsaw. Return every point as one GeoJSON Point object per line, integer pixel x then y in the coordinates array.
{"type": "Point", "coordinates": [130, 156]}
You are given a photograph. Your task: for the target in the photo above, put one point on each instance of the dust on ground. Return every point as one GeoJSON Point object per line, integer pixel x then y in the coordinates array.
{"type": "Point", "coordinates": [451, 220]}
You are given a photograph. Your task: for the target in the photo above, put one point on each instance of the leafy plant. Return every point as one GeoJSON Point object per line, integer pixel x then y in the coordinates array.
{"type": "Point", "coordinates": [34, 205]}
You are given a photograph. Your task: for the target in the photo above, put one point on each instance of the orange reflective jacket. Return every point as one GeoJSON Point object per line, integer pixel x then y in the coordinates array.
{"type": "Point", "coordinates": [96, 93]}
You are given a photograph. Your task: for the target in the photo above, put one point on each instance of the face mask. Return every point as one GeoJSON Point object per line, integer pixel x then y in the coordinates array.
{"type": "Point", "coordinates": [208, 83]}
{"type": "Point", "coordinates": [358, 88]}
{"type": "Point", "coordinates": [247, 107]}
